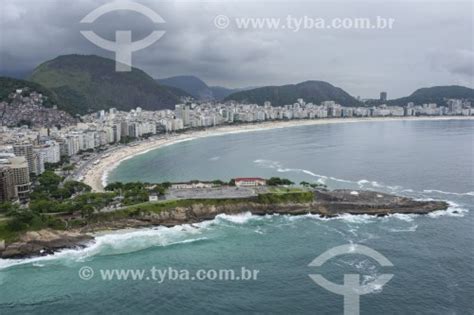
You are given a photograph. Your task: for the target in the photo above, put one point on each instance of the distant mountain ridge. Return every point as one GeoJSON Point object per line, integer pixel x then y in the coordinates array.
{"type": "Point", "coordinates": [190, 84]}
{"type": "Point", "coordinates": [310, 91]}
{"type": "Point", "coordinates": [81, 84]}
{"type": "Point", "coordinates": [198, 88]}
{"type": "Point", "coordinates": [435, 94]}
{"type": "Point", "coordinates": [87, 83]}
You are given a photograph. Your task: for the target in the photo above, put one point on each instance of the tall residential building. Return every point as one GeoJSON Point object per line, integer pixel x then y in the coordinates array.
{"type": "Point", "coordinates": [26, 150]}
{"type": "Point", "coordinates": [51, 151]}
{"type": "Point", "coordinates": [7, 186]}
{"type": "Point", "coordinates": [21, 177]}
{"type": "Point", "coordinates": [383, 96]}
{"type": "Point", "coordinates": [117, 132]}
{"type": "Point", "coordinates": [39, 162]}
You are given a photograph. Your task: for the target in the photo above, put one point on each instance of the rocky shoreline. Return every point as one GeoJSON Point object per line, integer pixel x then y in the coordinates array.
{"type": "Point", "coordinates": [326, 204]}
{"type": "Point", "coordinates": [44, 242]}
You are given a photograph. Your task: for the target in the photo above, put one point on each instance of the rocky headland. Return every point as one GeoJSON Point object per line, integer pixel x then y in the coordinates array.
{"type": "Point", "coordinates": [324, 203]}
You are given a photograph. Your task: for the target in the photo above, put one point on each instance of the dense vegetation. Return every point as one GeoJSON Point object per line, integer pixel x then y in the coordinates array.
{"type": "Point", "coordinates": [136, 192]}
{"type": "Point", "coordinates": [90, 83]}
{"type": "Point", "coordinates": [310, 91]}
{"type": "Point", "coordinates": [312, 185]}
{"type": "Point", "coordinates": [277, 181]}
{"type": "Point", "coordinates": [51, 196]}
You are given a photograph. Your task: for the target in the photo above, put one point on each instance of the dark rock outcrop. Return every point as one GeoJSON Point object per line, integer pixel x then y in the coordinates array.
{"type": "Point", "coordinates": [44, 242]}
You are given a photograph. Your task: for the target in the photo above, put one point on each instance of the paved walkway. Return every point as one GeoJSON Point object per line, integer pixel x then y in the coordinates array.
{"type": "Point", "coordinates": [211, 193]}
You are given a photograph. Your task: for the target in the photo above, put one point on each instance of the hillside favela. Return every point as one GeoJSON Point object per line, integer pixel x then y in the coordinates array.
{"type": "Point", "coordinates": [281, 159]}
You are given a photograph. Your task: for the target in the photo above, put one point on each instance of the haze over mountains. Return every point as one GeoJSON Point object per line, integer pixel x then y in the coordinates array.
{"type": "Point", "coordinates": [82, 84]}
{"type": "Point", "coordinates": [198, 88]}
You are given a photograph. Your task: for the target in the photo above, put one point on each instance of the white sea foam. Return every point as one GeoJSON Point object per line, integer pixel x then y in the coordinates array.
{"type": "Point", "coordinates": [279, 168]}
{"type": "Point", "coordinates": [322, 179]}
{"type": "Point", "coordinates": [340, 180]}
{"type": "Point", "coordinates": [356, 219]}
{"type": "Point", "coordinates": [396, 187]}
{"type": "Point", "coordinates": [346, 217]}
{"type": "Point", "coordinates": [454, 210]}
{"type": "Point", "coordinates": [267, 163]}
{"type": "Point", "coordinates": [313, 174]}
{"type": "Point", "coordinates": [259, 230]}
{"type": "Point", "coordinates": [435, 191]}
{"type": "Point", "coordinates": [401, 216]}
{"type": "Point", "coordinates": [240, 218]}
{"type": "Point", "coordinates": [37, 264]}
{"type": "Point", "coordinates": [118, 242]}
{"type": "Point", "coordinates": [408, 229]}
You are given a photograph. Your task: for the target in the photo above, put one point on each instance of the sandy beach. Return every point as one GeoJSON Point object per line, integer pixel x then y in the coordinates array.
{"type": "Point", "coordinates": [96, 174]}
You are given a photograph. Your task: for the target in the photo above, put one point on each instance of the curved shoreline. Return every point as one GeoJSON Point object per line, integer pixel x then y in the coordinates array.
{"type": "Point", "coordinates": [96, 175]}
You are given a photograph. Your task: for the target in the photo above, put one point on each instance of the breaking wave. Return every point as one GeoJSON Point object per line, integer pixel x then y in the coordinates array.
{"type": "Point", "coordinates": [454, 210]}
{"type": "Point", "coordinates": [408, 229]}
{"type": "Point", "coordinates": [119, 242]}
{"type": "Point", "coordinates": [240, 218]}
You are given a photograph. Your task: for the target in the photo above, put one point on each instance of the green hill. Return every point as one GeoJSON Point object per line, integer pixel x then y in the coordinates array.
{"type": "Point", "coordinates": [310, 91]}
{"type": "Point", "coordinates": [89, 83]}
{"type": "Point", "coordinates": [435, 94]}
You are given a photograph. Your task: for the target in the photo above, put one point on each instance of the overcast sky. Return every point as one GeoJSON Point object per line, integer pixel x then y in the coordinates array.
{"type": "Point", "coordinates": [431, 42]}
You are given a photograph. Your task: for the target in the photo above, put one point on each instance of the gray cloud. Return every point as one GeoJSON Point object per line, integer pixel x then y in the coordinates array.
{"type": "Point", "coordinates": [453, 61]}
{"type": "Point", "coordinates": [424, 48]}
